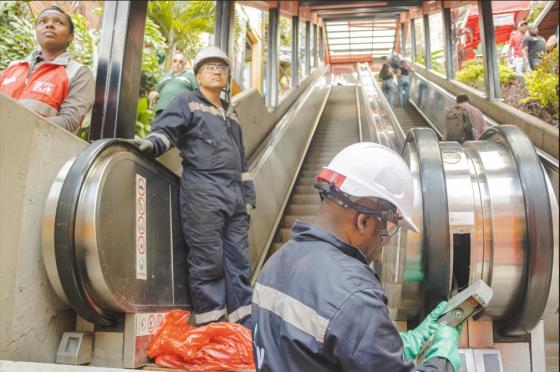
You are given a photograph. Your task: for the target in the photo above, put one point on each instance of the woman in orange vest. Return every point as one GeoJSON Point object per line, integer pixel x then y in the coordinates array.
{"type": "Point", "coordinates": [48, 81]}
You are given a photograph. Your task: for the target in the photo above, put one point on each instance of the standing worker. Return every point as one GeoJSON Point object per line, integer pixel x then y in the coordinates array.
{"type": "Point", "coordinates": [49, 82]}
{"type": "Point", "coordinates": [179, 80]}
{"type": "Point", "coordinates": [534, 47]}
{"type": "Point", "coordinates": [217, 193]}
{"type": "Point", "coordinates": [318, 305]}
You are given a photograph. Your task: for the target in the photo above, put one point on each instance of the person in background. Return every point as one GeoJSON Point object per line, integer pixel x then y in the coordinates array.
{"type": "Point", "coordinates": [48, 81]}
{"type": "Point", "coordinates": [403, 82]}
{"type": "Point", "coordinates": [534, 47]}
{"type": "Point", "coordinates": [515, 48]}
{"type": "Point", "coordinates": [179, 80]}
{"type": "Point", "coordinates": [395, 61]}
{"type": "Point", "coordinates": [318, 305]}
{"type": "Point", "coordinates": [386, 76]}
{"type": "Point", "coordinates": [475, 121]}
{"type": "Point", "coordinates": [217, 194]}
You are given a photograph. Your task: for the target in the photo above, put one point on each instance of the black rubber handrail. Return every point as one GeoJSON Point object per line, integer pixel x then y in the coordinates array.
{"type": "Point", "coordinates": [435, 244]}
{"type": "Point", "coordinates": [70, 273]}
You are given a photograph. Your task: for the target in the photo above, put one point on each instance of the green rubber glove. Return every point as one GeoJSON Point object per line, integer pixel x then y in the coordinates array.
{"type": "Point", "coordinates": [415, 338]}
{"type": "Point", "coordinates": [446, 344]}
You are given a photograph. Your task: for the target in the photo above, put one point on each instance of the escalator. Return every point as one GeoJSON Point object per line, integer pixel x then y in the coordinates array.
{"type": "Point", "coordinates": [337, 129]}
{"type": "Point", "coordinates": [409, 118]}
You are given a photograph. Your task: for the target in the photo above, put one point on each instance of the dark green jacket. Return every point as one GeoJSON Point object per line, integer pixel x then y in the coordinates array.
{"type": "Point", "coordinates": [172, 85]}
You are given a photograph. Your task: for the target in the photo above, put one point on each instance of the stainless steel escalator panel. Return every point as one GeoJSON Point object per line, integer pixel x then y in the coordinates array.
{"type": "Point", "coordinates": [405, 253]}
{"type": "Point", "coordinates": [493, 200]}
{"type": "Point", "coordinates": [503, 214]}
{"type": "Point", "coordinates": [539, 240]}
{"type": "Point", "coordinates": [92, 223]}
{"type": "Point", "coordinates": [47, 229]}
{"type": "Point", "coordinates": [106, 235]}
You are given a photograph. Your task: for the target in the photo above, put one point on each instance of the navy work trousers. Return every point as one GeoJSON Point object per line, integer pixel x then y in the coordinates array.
{"type": "Point", "coordinates": [215, 228]}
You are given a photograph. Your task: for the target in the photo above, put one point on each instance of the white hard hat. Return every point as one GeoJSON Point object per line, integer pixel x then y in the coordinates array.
{"type": "Point", "coordinates": [210, 52]}
{"type": "Point", "coordinates": [370, 170]}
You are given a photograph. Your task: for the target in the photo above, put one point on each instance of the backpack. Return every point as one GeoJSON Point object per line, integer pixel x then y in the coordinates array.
{"type": "Point", "coordinates": [458, 125]}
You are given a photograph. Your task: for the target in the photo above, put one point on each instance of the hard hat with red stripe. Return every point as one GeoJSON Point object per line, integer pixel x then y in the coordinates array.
{"type": "Point", "coordinates": [370, 170]}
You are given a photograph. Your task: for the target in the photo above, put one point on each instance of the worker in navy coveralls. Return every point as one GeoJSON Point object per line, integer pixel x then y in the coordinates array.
{"type": "Point", "coordinates": [318, 305]}
{"type": "Point", "coordinates": [217, 192]}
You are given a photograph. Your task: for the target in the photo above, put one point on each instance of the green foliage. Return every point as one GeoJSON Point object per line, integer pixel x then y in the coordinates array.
{"type": "Point", "coordinates": [239, 30]}
{"type": "Point", "coordinates": [536, 10]}
{"type": "Point", "coordinates": [154, 46]}
{"type": "Point", "coordinates": [419, 56]}
{"type": "Point", "coordinates": [182, 22]}
{"type": "Point", "coordinates": [285, 28]}
{"type": "Point", "coordinates": [507, 75]}
{"type": "Point", "coordinates": [143, 118]}
{"type": "Point", "coordinates": [472, 73]}
{"type": "Point", "coordinates": [438, 59]}
{"type": "Point", "coordinates": [17, 32]}
{"type": "Point", "coordinates": [84, 46]}
{"type": "Point", "coordinates": [542, 83]}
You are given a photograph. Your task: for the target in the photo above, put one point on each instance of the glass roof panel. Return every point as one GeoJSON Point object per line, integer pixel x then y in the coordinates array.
{"type": "Point", "coordinates": [359, 37]}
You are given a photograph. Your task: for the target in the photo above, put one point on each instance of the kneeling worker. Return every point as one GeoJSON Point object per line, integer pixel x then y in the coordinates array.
{"type": "Point", "coordinates": [318, 305]}
{"type": "Point", "coordinates": [217, 192]}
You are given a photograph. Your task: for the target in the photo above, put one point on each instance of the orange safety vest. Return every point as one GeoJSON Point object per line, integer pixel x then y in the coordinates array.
{"type": "Point", "coordinates": [42, 90]}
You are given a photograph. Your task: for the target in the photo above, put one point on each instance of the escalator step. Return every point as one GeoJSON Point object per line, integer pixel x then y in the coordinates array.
{"type": "Point", "coordinates": [303, 209]}
{"type": "Point", "coordinates": [307, 198]}
{"type": "Point", "coordinates": [305, 190]}
{"type": "Point", "coordinates": [289, 220]}
{"type": "Point", "coordinates": [305, 181]}
{"type": "Point", "coordinates": [285, 233]}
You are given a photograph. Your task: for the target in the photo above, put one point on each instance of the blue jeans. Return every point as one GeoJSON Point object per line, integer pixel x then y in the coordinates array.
{"type": "Point", "coordinates": [387, 89]}
{"type": "Point", "coordinates": [402, 90]}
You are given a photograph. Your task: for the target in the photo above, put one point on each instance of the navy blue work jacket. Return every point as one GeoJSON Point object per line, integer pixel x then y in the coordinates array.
{"type": "Point", "coordinates": [318, 306]}
{"type": "Point", "coordinates": [209, 140]}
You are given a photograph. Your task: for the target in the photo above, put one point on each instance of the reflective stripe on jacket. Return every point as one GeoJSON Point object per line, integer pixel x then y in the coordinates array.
{"type": "Point", "coordinates": [209, 140]}
{"type": "Point", "coordinates": [42, 90]}
{"type": "Point", "coordinates": [318, 306]}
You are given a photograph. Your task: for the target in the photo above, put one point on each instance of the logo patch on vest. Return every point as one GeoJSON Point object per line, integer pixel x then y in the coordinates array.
{"type": "Point", "coordinates": [43, 87]}
{"type": "Point", "coordinates": [8, 80]}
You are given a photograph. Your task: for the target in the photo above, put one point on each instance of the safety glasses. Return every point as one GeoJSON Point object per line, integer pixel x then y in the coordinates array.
{"type": "Point", "coordinates": [388, 219]}
{"type": "Point", "coordinates": [213, 67]}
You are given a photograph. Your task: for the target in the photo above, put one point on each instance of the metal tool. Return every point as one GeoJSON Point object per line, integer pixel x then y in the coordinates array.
{"type": "Point", "coordinates": [460, 307]}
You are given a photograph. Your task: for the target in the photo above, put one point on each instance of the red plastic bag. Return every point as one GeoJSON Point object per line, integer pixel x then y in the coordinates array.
{"type": "Point", "coordinates": [213, 347]}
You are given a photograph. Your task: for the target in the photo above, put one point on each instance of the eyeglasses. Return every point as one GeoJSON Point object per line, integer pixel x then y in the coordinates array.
{"type": "Point", "coordinates": [388, 218]}
{"type": "Point", "coordinates": [387, 233]}
{"type": "Point", "coordinates": [211, 67]}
